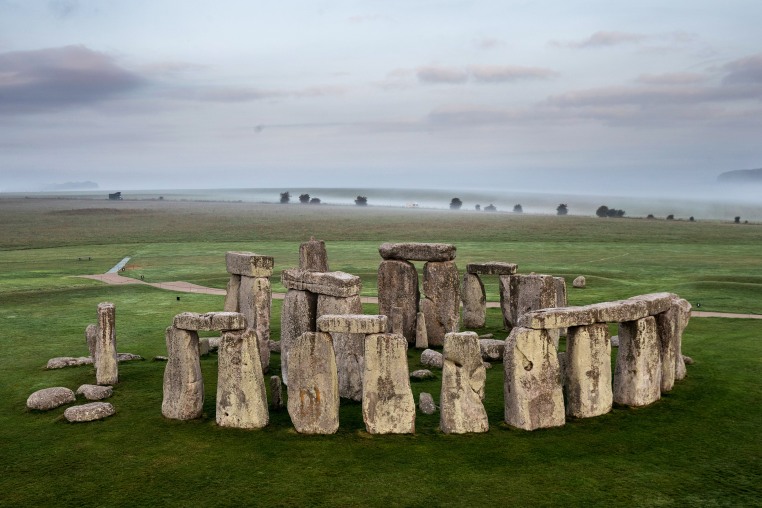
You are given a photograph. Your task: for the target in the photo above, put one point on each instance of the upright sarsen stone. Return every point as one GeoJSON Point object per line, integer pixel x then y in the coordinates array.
{"type": "Point", "coordinates": [313, 389]}
{"type": "Point", "coordinates": [106, 362]}
{"type": "Point", "coordinates": [398, 293]}
{"type": "Point", "coordinates": [183, 383]}
{"type": "Point", "coordinates": [530, 292]}
{"type": "Point", "coordinates": [463, 377]}
{"type": "Point", "coordinates": [231, 294]}
{"type": "Point", "coordinates": [313, 256]}
{"type": "Point", "coordinates": [254, 301]}
{"type": "Point", "coordinates": [504, 284]}
{"type": "Point", "coordinates": [91, 337]}
{"type": "Point", "coordinates": [298, 315]}
{"type": "Point", "coordinates": [637, 377]}
{"type": "Point", "coordinates": [683, 316]}
{"type": "Point", "coordinates": [349, 347]}
{"type": "Point", "coordinates": [587, 373]}
{"type": "Point", "coordinates": [441, 286]}
{"type": "Point", "coordinates": [241, 395]}
{"type": "Point", "coordinates": [474, 301]}
{"type": "Point", "coordinates": [388, 406]}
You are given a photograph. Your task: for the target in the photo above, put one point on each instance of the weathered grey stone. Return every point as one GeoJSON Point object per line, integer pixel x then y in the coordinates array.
{"type": "Point", "coordinates": [50, 398]}
{"type": "Point", "coordinates": [388, 406]}
{"type": "Point", "coordinates": [684, 315]}
{"type": "Point", "coordinates": [68, 361]}
{"type": "Point", "coordinates": [530, 292]}
{"type": "Point", "coordinates": [487, 365]}
{"type": "Point", "coordinates": [431, 358]}
{"type": "Point", "coordinates": [656, 303]}
{"type": "Point", "coordinates": [666, 329]}
{"type": "Point", "coordinates": [313, 256]}
{"type": "Point", "coordinates": [254, 300]}
{"type": "Point", "coordinates": [214, 343]}
{"type": "Point", "coordinates": [298, 315]}
{"type": "Point", "coordinates": [504, 284]}
{"type": "Point", "coordinates": [276, 392]}
{"type": "Point", "coordinates": [349, 347]}
{"type": "Point", "coordinates": [398, 294]}
{"type": "Point", "coordinates": [211, 321]}
{"type": "Point", "coordinates": [560, 317]}
{"type": "Point", "coordinates": [492, 268]}
{"type": "Point", "coordinates": [688, 360]}
{"type": "Point", "coordinates": [91, 337]}
{"type": "Point", "coordinates": [421, 337]}
{"type": "Point", "coordinates": [463, 377]}
{"type": "Point", "coordinates": [422, 375]}
{"type": "Point", "coordinates": [426, 403]}
{"type": "Point", "coordinates": [183, 382]}
{"type": "Point", "coordinates": [474, 301]}
{"type": "Point", "coordinates": [560, 284]}
{"type": "Point", "coordinates": [95, 392]}
{"type": "Point", "coordinates": [160, 358]}
{"type": "Point", "coordinates": [615, 341]}
{"type": "Point", "coordinates": [587, 371]}
{"type": "Point", "coordinates": [231, 294]}
{"type": "Point", "coordinates": [313, 388]}
{"type": "Point", "coordinates": [619, 311]}
{"type": "Point", "coordinates": [89, 412]}
{"type": "Point", "coordinates": [579, 282]}
{"type": "Point", "coordinates": [417, 251]}
{"type": "Point", "coordinates": [486, 336]}
{"type": "Point", "coordinates": [274, 346]}
{"type": "Point", "coordinates": [128, 357]}
{"type": "Point", "coordinates": [339, 284]}
{"type": "Point", "coordinates": [241, 395]}
{"type": "Point", "coordinates": [533, 394]}
{"type": "Point", "coordinates": [203, 347]}
{"type": "Point", "coordinates": [637, 377]}
{"type": "Point", "coordinates": [106, 363]}
{"type": "Point", "coordinates": [441, 285]}
{"type": "Point", "coordinates": [249, 264]}
{"type": "Point", "coordinates": [396, 323]}
{"type": "Point", "coordinates": [352, 323]}
{"type": "Point", "coordinates": [492, 350]}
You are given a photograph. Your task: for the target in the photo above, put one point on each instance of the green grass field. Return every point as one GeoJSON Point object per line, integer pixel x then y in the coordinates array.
{"type": "Point", "coordinates": [699, 446]}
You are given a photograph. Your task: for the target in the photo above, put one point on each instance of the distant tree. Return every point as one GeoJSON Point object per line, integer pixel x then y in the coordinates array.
{"type": "Point", "coordinates": [455, 204]}
{"type": "Point", "coordinates": [490, 208]}
{"type": "Point", "coordinates": [518, 209]}
{"type": "Point", "coordinates": [361, 201]}
{"type": "Point", "coordinates": [670, 217]}
{"type": "Point", "coordinates": [650, 216]}
{"type": "Point", "coordinates": [562, 209]}
{"type": "Point", "coordinates": [478, 207]}
{"type": "Point", "coordinates": [737, 220]}
{"type": "Point", "coordinates": [315, 201]}
{"type": "Point", "coordinates": [691, 218]}
{"type": "Point", "coordinates": [304, 198]}
{"type": "Point", "coordinates": [602, 211]}
{"type": "Point", "coordinates": [285, 197]}
{"type": "Point", "coordinates": [620, 213]}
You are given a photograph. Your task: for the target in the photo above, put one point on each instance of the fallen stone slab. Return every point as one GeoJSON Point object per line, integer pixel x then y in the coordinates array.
{"type": "Point", "coordinates": [619, 311]}
{"type": "Point", "coordinates": [339, 284]}
{"type": "Point", "coordinates": [68, 361]}
{"type": "Point", "coordinates": [50, 398]}
{"type": "Point", "coordinates": [432, 358]}
{"type": "Point", "coordinates": [95, 392]}
{"type": "Point", "coordinates": [211, 321]}
{"type": "Point", "coordinates": [487, 365]}
{"type": "Point", "coordinates": [492, 350]}
{"type": "Point", "coordinates": [128, 357]}
{"type": "Point", "coordinates": [352, 323]}
{"type": "Point", "coordinates": [422, 375]}
{"type": "Point", "coordinates": [426, 404]}
{"type": "Point", "coordinates": [559, 317]}
{"type": "Point", "coordinates": [492, 268]}
{"type": "Point", "coordinates": [656, 303]}
{"type": "Point", "coordinates": [418, 251]}
{"type": "Point", "coordinates": [89, 412]}
{"type": "Point", "coordinates": [249, 264]}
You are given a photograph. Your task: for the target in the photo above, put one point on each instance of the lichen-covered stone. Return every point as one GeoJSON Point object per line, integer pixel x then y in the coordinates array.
{"type": "Point", "coordinates": [560, 284]}
{"type": "Point", "coordinates": [388, 406]}
{"type": "Point", "coordinates": [338, 284]}
{"type": "Point", "coordinates": [422, 375]}
{"type": "Point", "coordinates": [619, 311]}
{"type": "Point", "coordinates": [587, 371]}
{"type": "Point", "coordinates": [183, 382]}
{"type": "Point", "coordinates": [349, 347]}
{"type": "Point", "coordinates": [91, 337]}
{"type": "Point", "coordinates": [128, 357]}
{"type": "Point", "coordinates": [95, 392]}
{"type": "Point", "coordinates": [492, 350]}
{"type": "Point", "coordinates": [231, 293]}
{"type": "Point", "coordinates": [210, 321]}
{"type": "Point", "coordinates": [352, 323]}
{"type": "Point", "coordinates": [89, 412]}
{"type": "Point", "coordinates": [560, 317]}
{"type": "Point", "coordinates": [637, 377]}
{"type": "Point", "coordinates": [492, 268]}
{"type": "Point", "coordinates": [533, 393]}
{"type": "Point", "coordinates": [418, 251]}
{"type": "Point", "coordinates": [298, 315]}
{"type": "Point", "coordinates": [106, 362]}
{"type": "Point", "coordinates": [313, 388]}
{"type": "Point", "coordinates": [463, 378]}
{"type": "Point", "coordinates": [579, 282]}
{"type": "Point", "coordinates": [656, 303]}
{"type": "Point", "coordinates": [249, 264]}
{"type": "Point", "coordinates": [441, 285]}
{"type": "Point", "coordinates": [474, 301]}
{"type": "Point", "coordinates": [241, 395]}
{"type": "Point", "coordinates": [530, 292]}
{"type": "Point", "coordinates": [398, 294]}
{"type": "Point", "coordinates": [68, 361]}
{"type": "Point", "coordinates": [313, 256]}
{"type": "Point", "coordinates": [431, 358]}
{"type": "Point", "coordinates": [50, 398]}
{"type": "Point", "coordinates": [426, 403]}
{"type": "Point", "coordinates": [421, 337]}
{"type": "Point", "coordinates": [254, 301]}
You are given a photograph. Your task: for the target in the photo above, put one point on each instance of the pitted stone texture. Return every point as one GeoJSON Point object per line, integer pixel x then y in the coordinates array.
{"type": "Point", "coordinates": [683, 316]}
{"type": "Point", "coordinates": [276, 392]}
{"type": "Point", "coordinates": [91, 337]}
{"type": "Point", "coordinates": [533, 394]}
{"type": "Point", "coordinates": [106, 362]}
{"type": "Point", "coordinates": [50, 398]}
{"type": "Point", "coordinates": [211, 321]}
{"type": "Point", "coordinates": [298, 315]}
{"type": "Point", "coordinates": [349, 347]}
{"type": "Point", "coordinates": [463, 377]}
{"type": "Point", "coordinates": [426, 404]}
{"type": "Point", "coordinates": [241, 396]}
{"type": "Point", "coordinates": [231, 294]}
{"type": "Point", "coordinates": [183, 383]}
{"type": "Point", "coordinates": [95, 392]}
{"type": "Point", "coordinates": [619, 311]}
{"type": "Point", "coordinates": [249, 264]}
{"type": "Point", "coordinates": [656, 303]}
{"type": "Point", "coordinates": [560, 284]}
{"type": "Point", "coordinates": [492, 268]}
{"type": "Point", "coordinates": [68, 361]}
{"type": "Point", "coordinates": [313, 389]}
{"type": "Point", "coordinates": [254, 301]}
{"type": "Point", "coordinates": [89, 412]}
{"type": "Point", "coordinates": [421, 337]}
{"type": "Point", "coordinates": [637, 378]}
{"type": "Point", "coordinates": [530, 292]}
{"type": "Point", "coordinates": [492, 350]}
{"type": "Point", "coordinates": [561, 317]}
{"type": "Point", "coordinates": [504, 284]}
{"type": "Point", "coordinates": [339, 284]}
{"type": "Point", "coordinates": [422, 375]}
{"type": "Point", "coordinates": [352, 323]}
{"type": "Point", "coordinates": [398, 293]}
{"type": "Point", "coordinates": [418, 251]}
{"type": "Point", "coordinates": [431, 358]}
{"type": "Point", "coordinates": [441, 285]}
{"type": "Point", "coordinates": [313, 256]}
{"type": "Point", "coordinates": [474, 301]}
{"type": "Point", "coordinates": [579, 282]}
{"type": "Point", "coordinates": [388, 406]}
{"type": "Point", "coordinates": [587, 371]}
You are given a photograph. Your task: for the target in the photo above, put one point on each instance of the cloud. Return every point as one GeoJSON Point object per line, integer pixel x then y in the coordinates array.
{"type": "Point", "coordinates": [432, 74]}
{"type": "Point", "coordinates": [672, 78]}
{"type": "Point", "coordinates": [250, 94]}
{"type": "Point", "coordinates": [744, 71]}
{"type": "Point", "coordinates": [488, 43]}
{"type": "Point", "coordinates": [481, 74]}
{"type": "Point", "coordinates": [63, 8]}
{"type": "Point", "coordinates": [55, 78]}
{"type": "Point", "coordinates": [606, 39]}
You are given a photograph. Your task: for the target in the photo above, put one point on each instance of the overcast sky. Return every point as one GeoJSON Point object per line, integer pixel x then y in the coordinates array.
{"type": "Point", "coordinates": [577, 94]}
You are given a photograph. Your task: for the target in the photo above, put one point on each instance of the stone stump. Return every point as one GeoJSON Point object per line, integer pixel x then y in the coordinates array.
{"type": "Point", "coordinates": [349, 347]}
{"type": "Point", "coordinates": [587, 372]}
{"type": "Point", "coordinates": [388, 406]}
{"type": "Point", "coordinates": [313, 256]}
{"type": "Point", "coordinates": [241, 396]}
{"type": "Point", "coordinates": [398, 293]}
{"type": "Point", "coordinates": [313, 390]}
{"type": "Point", "coordinates": [474, 301]}
{"type": "Point", "coordinates": [183, 383]}
{"type": "Point", "coordinates": [106, 362]}
{"type": "Point", "coordinates": [298, 315]}
{"type": "Point", "coordinates": [637, 377]}
{"type": "Point", "coordinates": [441, 305]}
{"type": "Point", "coordinates": [463, 377]}
{"type": "Point", "coordinates": [533, 393]}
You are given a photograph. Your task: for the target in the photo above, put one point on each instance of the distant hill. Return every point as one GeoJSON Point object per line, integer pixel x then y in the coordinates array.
{"type": "Point", "coordinates": [741, 176]}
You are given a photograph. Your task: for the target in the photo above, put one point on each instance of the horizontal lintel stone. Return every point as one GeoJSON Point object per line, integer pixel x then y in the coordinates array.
{"type": "Point", "coordinates": [352, 323]}
{"type": "Point", "coordinates": [558, 317]}
{"type": "Point", "coordinates": [418, 251]}
{"type": "Point", "coordinates": [216, 321]}
{"type": "Point", "coordinates": [657, 302]}
{"type": "Point", "coordinates": [339, 284]}
{"type": "Point", "coordinates": [492, 268]}
{"type": "Point", "coordinates": [619, 311]}
{"type": "Point", "coordinates": [249, 264]}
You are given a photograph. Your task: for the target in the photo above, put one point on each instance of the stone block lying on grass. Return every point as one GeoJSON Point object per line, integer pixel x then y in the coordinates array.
{"type": "Point", "coordinates": [50, 398]}
{"type": "Point", "coordinates": [89, 412]}
{"type": "Point", "coordinates": [95, 392]}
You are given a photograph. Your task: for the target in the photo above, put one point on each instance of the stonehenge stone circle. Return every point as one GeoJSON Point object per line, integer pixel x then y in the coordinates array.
{"type": "Point", "coordinates": [441, 305]}
{"type": "Point", "coordinates": [313, 256]}
{"type": "Point", "coordinates": [417, 251]}
{"type": "Point", "coordinates": [241, 395]}
{"type": "Point", "coordinates": [637, 377]}
{"type": "Point", "coordinates": [463, 377]}
{"type": "Point", "coordinates": [183, 382]}
{"type": "Point", "coordinates": [298, 316]}
{"type": "Point", "coordinates": [89, 412]}
{"type": "Point", "coordinates": [587, 371]}
{"type": "Point", "coordinates": [106, 362]}
{"type": "Point", "coordinates": [50, 398]}
{"type": "Point", "coordinates": [398, 294]}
